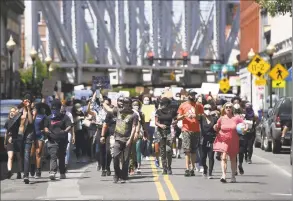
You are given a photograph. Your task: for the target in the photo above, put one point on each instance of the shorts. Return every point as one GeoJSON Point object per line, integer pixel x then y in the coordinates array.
{"type": "Point", "coordinates": [157, 138]}
{"type": "Point", "coordinates": [16, 145]}
{"type": "Point", "coordinates": [190, 141]}
{"type": "Point", "coordinates": [40, 137]}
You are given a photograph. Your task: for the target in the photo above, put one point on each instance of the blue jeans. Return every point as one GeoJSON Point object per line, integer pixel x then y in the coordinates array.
{"type": "Point", "coordinates": [27, 158]}
{"type": "Point", "coordinates": [151, 131]}
{"type": "Point", "coordinates": [67, 157]}
{"type": "Point", "coordinates": [198, 156]}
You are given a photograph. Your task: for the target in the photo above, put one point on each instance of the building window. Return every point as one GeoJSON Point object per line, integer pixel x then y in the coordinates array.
{"type": "Point", "coordinates": [40, 16]}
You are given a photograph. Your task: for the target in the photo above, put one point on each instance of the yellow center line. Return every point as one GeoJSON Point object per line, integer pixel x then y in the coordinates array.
{"type": "Point", "coordinates": [171, 188]}
{"type": "Point", "coordinates": [160, 189]}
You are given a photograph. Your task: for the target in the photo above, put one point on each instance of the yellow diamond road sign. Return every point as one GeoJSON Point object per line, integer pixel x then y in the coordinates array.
{"type": "Point", "coordinates": [279, 72]}
{"type": "Point", "coordinates": [279, 83]}
{"type": "Point", "coordinates": [260, 82]}
{"type": "Point", "coordinates": [224, 85]}
{"type": "Point", "coordinates": [258, 66]}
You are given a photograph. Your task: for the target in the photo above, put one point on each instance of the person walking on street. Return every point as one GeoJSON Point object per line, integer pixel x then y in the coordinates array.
{"type": "Point", "coordinates": [59, 126]}
{"type": "Point", "coordinates": [189, 112]}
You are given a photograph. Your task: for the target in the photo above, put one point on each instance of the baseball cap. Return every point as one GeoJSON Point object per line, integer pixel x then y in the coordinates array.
{"type": "Point", "coordinates": [192, 93]}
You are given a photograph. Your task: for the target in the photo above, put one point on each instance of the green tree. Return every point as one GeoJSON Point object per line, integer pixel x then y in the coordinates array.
{"type": "Point", "coordinates": [276, 7]}
{"type": "Point", "coordinates": [26, 75]}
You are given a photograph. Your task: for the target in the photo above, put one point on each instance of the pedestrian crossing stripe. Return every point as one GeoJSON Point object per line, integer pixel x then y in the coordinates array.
{"type": "Point", "coordinates": [279, 72]}
{"type": "Point", "coordinates": [279, 83]}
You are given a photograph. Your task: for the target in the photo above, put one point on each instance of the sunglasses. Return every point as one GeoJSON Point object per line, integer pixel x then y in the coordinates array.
{"type": "Point", "coordinates": [208, 109]}
{"type": "Point", "coordinates": [228, 107]}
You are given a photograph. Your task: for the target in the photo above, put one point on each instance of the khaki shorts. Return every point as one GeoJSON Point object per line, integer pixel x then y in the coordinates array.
{"type": "Point", "coordinates": [190, 141]}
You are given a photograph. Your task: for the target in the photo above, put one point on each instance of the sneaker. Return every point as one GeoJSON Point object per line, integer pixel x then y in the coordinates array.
{"type": "Point", "coordinates": [249, 161]}
{"type": "Point", "coordinates": [241, 171]}
{"type": "Point", "coordinates": [187, 173]}
{"type": "Point", "coordinates": [201, 170]}
{"type": "Point", "coordinates": [191, 172]}
{"type": "Point", "coordinates": [123, 181]}
{"type": "Point", "coordinates": [26, 180]}
{"type": "Point", "coordinates": [109, 172]}
{"type": "Point", "coordinates": [62, 176]}
{"type": "Point", "coordinates": [98, 167]}
{"type": "Point", "coordinates": [33, 170]}
{"type": "Point", "coordinates": [157, 163]}
{"type": "Point", "coordinates": [138, 171]}
{"type": "Point", "coordinates": [38, 174]}
{"type": "Point", "coordinates": [174, 156]}
{"type": "Point", "coordinates": [18, 175]}
{"type": "Point", "coordinates": [9, 174]}
{"type": "Point", "coordinates": [147, 158]}
{"type": "Point", "coordinates": [164, 172]}
{"type": "Point", "coordinates": [233, 180]}
{"type": "Point", "coordinates": [223, 180]}
{"type": "Point", "coordinates": [169, 171]}
{"type": "Point", "coordinates": [52, 176]}
{"type": "Point", "coordinates": [115, 179]}
{"type": "Point", "coordinates": [197, 167]}
{"type": "Point", "coordinates": [210, 176]}
{"type": "Point", "coordinates": [178, 156]}
{"type": "Point", "coordinates": [104, 173]}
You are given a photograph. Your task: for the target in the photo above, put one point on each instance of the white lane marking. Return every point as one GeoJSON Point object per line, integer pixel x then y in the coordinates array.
{"type": "Point", "coordinates": [281, 194]}
{"type": "Point", "coordinates": [68, 188]}
{"type": "Point", "coordinates": [279, 168]}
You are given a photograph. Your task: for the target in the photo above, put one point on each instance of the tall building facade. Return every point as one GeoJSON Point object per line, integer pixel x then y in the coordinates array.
{"type": "Point", "coordinates": [11, 12]}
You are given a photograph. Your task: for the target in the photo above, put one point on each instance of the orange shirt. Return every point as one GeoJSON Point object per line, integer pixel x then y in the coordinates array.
{"type": "Point", "coordinates": [187, 123]}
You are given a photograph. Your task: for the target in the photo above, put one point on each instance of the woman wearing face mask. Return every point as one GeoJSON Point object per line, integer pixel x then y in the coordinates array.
{"type": "Point", "coordinates": [227, 140]}
{"type": "Point", "coordinates": [165, 117]}
{"type": "Point", "coordinates": [78, 117]}
{"type": "Point", "coordinates": [13, 142]}
{"type": "Point", "coordinates": [41, 123]}
{"type": "Point", "coordinates": [135, 158]}
{"type": "Point", "coordinates": [208, 135]}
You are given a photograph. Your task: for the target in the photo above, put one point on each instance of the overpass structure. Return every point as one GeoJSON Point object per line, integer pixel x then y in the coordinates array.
{"type": "Point", "coordinates": [117, 34]}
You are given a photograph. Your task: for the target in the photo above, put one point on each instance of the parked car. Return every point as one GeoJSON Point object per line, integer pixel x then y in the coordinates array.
{"type": "Point", "coordinates": [272, 126]}
{"type": "Point", "coordinates": [6, 105]}
{"type": "Point", "coordinates": [261, 139]}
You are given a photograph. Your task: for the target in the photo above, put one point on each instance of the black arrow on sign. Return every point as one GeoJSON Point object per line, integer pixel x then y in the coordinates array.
{"type": "Point", "coordinates": [278, 83]}
{"type": "Point", "coordinates": [257, 60]}
{"type": "Point", "coordinates": [259, 74]}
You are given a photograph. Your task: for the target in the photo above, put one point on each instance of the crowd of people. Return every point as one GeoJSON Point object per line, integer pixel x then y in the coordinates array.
{"type": "Point", "coordinates": [198, 126]}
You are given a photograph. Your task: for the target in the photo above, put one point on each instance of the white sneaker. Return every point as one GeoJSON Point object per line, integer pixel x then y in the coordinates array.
{"type": "Point", "coordinates": [62, 176]}
{"type": "Point", "coordinates": [201, 170]}
{"type": "Point", "coordinates": [138, 171]}
{"type": "Point", "coordinates": [147, 158]}
{"type": "Point", "coordinates": [52, 176]}
{"type": "Point", "coordinates": [197, 167]}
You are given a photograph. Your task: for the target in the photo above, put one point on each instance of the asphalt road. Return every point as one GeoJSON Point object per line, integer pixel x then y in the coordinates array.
{"type": "Point", "coordinates": [268, 178]}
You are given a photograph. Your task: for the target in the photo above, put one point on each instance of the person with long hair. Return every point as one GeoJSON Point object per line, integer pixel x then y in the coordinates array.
{"type": "Point", "coordinates": [227, 140]}
{"type": "Point", "coordinates": [165, 118]}
{"type": "Point", "coordinates": [12, 143]}
{"type": "Point", "coordinates": [208, 135]}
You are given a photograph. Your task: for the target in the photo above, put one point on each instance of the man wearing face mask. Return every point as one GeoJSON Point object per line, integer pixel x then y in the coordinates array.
{"type": "Point", "coordinates": [58, 129]}
{"type": "Point", "coordinates": [189, 112]}
{"type": "Point", "coordinates": [126, 123]}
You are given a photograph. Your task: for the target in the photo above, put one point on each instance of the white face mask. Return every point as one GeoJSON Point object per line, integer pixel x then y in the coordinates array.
{"type": "Point", "coordinates": [146, 102]}
{"type": "Point", "coordinates": [207, 112]}
{"type": "Point", "coordinates": [135, 108]}
{"type": "Point", "coordinates": [177, 98]}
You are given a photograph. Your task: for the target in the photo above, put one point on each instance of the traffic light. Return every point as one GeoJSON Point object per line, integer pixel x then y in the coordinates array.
{"type": "Point", "coordinates": [151, 58]}
{"type": "Point", "coordinates": [172, 76]}
{"type": "Point", "coordinates": [184, 56]}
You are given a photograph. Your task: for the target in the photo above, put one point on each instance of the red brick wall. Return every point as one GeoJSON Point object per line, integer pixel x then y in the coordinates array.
{"type": "Point", "coordinates": [249, 27]}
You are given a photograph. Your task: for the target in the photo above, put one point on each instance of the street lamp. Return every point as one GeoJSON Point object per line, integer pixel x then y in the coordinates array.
{"type": "Point", "coordinates": [10, 46]}
{"type": "Point", "coordinates": [270, 51]}
{"type": "Point", "coordinates": [33, 55]}
{"type": "Point", "coordinates": [250, 56]}
{"type": "Point", "coordinates": [48, 62]}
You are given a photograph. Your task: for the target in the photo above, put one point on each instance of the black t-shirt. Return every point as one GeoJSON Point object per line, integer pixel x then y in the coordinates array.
{"type": "Point", "coordinates": [111, 122]}
{"type": "Point", "coordinates": [12, 126]}
{"type": "Point", "coordinates": [166, 116]}
{"type": "Point", "coordinates": [57, 126]}
{"type": "Point", "coordinates": [207, 129]}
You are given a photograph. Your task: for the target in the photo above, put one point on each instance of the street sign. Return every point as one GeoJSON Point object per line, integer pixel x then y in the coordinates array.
{"type": "Point", "coordinates": [279, 72]}
{"type": "Point", "coordinates": [279, 83]}
{"type": "Point", "coordinates": [289, 78]}
{"type": "Point", "coordinates": [224, 85]}
{"type": "Point", "coordinates": [194, 59]}
{"type": "Point", "coordinates": [260, 82]}
{"type": "Point", "coordinates": [258, 66]}
{"type": "Point", "coordinates": [219, 67]}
